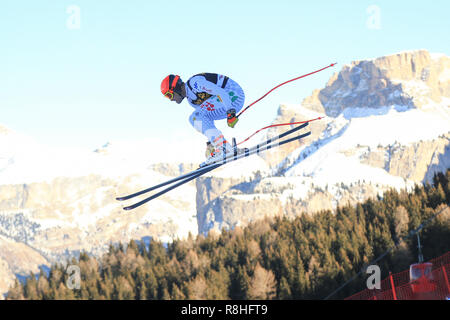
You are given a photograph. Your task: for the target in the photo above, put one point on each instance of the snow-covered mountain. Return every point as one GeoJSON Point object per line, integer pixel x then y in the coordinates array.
{"type": "Point", "coordinates": [55, 203]}
{"type": "Point", "coordinates": [387, 125]}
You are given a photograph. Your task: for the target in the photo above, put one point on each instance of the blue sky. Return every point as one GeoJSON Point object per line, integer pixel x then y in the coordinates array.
{"type": "Point", "coordinates": [100, 82]}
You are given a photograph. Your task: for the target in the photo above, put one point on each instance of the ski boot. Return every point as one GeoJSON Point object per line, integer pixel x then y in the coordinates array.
{"type": "Point", "coordinates": [209, 150]}
{"type": "Point", "coordinates": [217, 154]}
{"type": "Point", "coordinates": [216, 151]}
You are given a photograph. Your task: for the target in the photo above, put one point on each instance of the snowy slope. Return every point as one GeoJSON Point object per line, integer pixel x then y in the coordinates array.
{"type": "Point", "coordinates": [24, 160]}
{"type": "Point", "coordinates": [325, 162]}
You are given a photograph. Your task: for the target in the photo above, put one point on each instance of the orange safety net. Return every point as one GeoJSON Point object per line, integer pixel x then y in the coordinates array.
{"type": "Point", "coordinates": [399, 286]}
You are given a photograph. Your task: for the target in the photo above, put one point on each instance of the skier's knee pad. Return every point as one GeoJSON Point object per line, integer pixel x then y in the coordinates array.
{"type": "Point", "coordinates": [201, 122]}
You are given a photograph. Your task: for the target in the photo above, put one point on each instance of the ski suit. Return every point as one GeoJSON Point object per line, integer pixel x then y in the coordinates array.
{"type": "Point", "coordinates": [212, 95]}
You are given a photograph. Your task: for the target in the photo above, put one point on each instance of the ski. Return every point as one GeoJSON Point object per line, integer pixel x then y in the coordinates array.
{"type": "Point", "coordinates": [184, 176]}
{"type": "Point", "coordinates": [256, 150]}
{"type": "Point", "coordinates": [156, 195]}
{"type": "Point", "coordinates": [227, 158]}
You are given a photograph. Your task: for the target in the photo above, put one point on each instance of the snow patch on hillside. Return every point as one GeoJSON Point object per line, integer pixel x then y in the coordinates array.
{"type": "Point", "coordinates": [395, 126]}
{"type": "Point", "coordinates": [23, 160]}
{"type": "Point", "coordinates": [325, 163]}
{"type": "Point", "coordinates": [350, 113]}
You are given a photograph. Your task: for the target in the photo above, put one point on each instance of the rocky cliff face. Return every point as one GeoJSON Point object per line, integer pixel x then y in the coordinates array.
{"type": "Point", "coordinates": [418, 161]}
{"type": "Point", "coordinates": [382, 91]}
{"type": "Point", "coordinates": [413, 79]}
{"type": "Point", "coordinates": [17, 259]}
{"type": "Point", "coordinates": [48, 222]}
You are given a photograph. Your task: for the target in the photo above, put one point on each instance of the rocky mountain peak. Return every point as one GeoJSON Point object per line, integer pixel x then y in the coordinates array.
{"type": "Point", "coordinates": [411, 79]}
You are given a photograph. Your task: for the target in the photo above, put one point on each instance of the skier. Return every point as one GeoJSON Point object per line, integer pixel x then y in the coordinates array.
{"type": "Point", "coordinates": [214, 97]}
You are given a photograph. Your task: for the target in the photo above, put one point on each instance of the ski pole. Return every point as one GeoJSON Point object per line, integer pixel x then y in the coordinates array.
{"type": "Point", "coordinates": [303, 76]}
{"type": "Point", "coordinates": [278, 125]}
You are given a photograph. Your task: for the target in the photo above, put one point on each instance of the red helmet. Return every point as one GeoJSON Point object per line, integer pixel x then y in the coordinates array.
{"type": "Point", "coordinates": [169, 84]}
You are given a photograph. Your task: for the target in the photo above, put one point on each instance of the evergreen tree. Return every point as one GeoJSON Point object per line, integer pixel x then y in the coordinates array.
{"type": "Point", "coordinates": [177, 294]}
{"type": "Point", "coordinates": [30, 290]}
{"type": "Point", "coordinates": [306, 257]}
{"type": "Point", "coordinates": [15, 293]}
{"type": "Point", "coordinates": [141, 291]}
{"type": "Point", "coordinates": [284, 290]}
{"type": "Point", "coordinates": [262, 285]}
{"type": "Point", "coordinates": [239, 284]}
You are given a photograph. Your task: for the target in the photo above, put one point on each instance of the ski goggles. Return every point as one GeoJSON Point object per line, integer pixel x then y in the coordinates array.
{"type": "Point", "coordinates": [169, 94]}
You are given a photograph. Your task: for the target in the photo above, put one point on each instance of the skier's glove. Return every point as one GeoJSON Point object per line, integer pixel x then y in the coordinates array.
{"type": "Point", "coordinates": [231, 118]}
